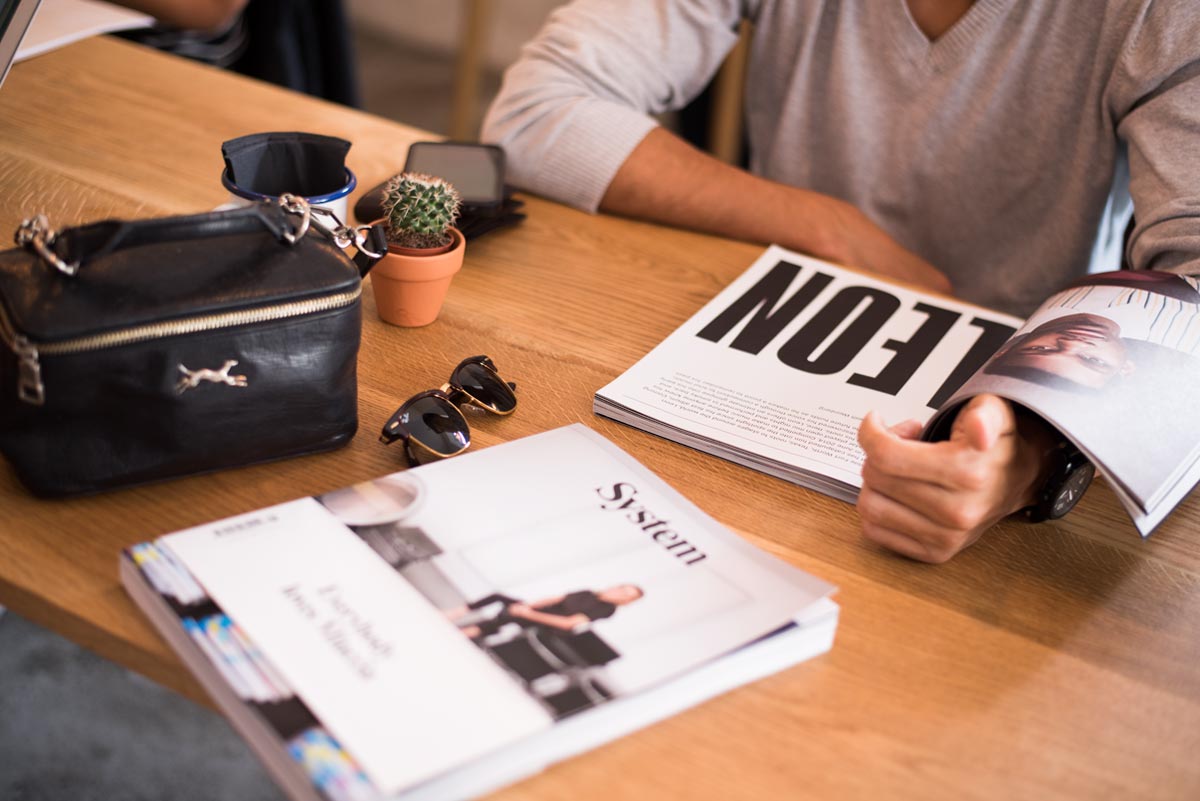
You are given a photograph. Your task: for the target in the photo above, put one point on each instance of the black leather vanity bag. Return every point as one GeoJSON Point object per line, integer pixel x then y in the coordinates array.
{"type": "Point", "coordinates": [136, 351]}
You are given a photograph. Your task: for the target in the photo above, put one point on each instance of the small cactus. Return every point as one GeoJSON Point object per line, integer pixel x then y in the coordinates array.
{"type": "Point", "coordinates": [419, 208]}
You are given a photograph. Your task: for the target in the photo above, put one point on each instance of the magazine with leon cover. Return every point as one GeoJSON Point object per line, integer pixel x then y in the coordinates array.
{"type": "Point", "coordinates": [777, 371]}
{"type": "Point", "coordinates": [391, 633]}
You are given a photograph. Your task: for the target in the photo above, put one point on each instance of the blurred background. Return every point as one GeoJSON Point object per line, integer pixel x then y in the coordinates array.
{"type": "Point", "coordinates": [436, 64]}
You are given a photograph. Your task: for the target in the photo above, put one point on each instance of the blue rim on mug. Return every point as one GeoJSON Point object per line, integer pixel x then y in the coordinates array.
{"type": "Point", "coordinates": [315, 200]}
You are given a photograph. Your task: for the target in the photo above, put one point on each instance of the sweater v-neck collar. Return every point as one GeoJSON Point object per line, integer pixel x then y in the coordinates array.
{"type": "Point", "coordinates": [959, 37]}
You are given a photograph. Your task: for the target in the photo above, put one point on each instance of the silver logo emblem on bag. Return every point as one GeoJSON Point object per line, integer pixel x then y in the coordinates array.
{"type": "Point", "coordinates": [192, 378]}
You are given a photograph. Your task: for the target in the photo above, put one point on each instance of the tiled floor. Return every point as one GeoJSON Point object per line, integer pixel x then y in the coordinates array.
{"type": "Point", "coordinates": [75, 726]}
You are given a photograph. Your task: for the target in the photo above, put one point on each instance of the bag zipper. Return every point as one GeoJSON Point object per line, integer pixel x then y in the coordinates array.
{"type": "Point", "coordinates": [31, 390]}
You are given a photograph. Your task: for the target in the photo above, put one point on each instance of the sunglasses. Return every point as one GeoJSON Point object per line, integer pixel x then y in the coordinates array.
{"type": "Point", "coordinates": [431, 425]}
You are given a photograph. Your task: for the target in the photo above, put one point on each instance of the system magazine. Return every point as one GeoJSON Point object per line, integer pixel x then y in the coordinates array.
{"type": "Point", "coordinates": [443, 631]}
{"type": "Point", "coordinates": [778, 370]}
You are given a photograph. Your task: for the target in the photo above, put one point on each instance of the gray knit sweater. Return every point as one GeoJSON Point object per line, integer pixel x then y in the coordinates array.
{"type": "Point", "coordinates": [1006, 152]}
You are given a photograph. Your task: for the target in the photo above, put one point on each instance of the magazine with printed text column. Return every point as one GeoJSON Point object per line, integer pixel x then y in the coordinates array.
{"type": "Point", "coordinates": [443, 631]}
{"type": "Point", "coordinates": [779, 369]}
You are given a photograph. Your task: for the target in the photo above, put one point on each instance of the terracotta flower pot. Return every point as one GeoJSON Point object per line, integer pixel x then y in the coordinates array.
{"type": "Point", "coordinates": [410, 284]}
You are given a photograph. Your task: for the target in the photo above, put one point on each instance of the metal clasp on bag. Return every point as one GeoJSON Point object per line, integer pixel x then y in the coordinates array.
{"type": "Point", "coordinates": [342, 235]}
{"type": "Point", "coordinates": [294, 204]}
{"type": "Point", "coordinates": [36, 234]}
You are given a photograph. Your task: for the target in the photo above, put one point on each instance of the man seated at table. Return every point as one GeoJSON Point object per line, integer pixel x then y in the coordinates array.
{"type": "Point", "coordinates": [994, 149]}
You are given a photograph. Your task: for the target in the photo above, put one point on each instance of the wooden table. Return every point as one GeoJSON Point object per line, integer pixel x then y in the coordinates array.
{"type": "Point", "coordinates": [1051, 661]}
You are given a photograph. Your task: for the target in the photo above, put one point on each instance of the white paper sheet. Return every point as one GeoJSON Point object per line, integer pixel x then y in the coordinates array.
{"type": "Point", "coordinates": [61, 22]}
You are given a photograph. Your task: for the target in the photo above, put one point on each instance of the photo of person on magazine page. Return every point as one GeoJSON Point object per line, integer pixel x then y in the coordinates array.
{"type": "Point", "coordinates": [1080, 352]}
{"type": "Point", "coordinates": [589, 591]}
{"type": "Point", "coordinates": [571, 612]}
{"type": "Point", "coordinates": [547, 645]}
{"type": "Point", "coordinates": [1096, 357]}
{"type": "Point", "coordinates": [1098, 330]}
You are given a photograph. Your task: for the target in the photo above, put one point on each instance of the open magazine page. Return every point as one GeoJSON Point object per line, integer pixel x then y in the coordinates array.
{"type": "Point", "coordinates": [779, 369]}
{"type": "Point", "coordinates": [1113, 362]}
{"type": "Point", "coordinates": [428, 618]}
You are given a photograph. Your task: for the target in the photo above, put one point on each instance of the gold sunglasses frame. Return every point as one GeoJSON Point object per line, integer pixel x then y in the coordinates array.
{"type": "Point", "coordinates": [455, 396]}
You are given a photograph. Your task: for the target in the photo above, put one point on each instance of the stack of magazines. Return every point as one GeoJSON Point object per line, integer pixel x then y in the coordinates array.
{"type": "Point", "coordinates": [443, 631]}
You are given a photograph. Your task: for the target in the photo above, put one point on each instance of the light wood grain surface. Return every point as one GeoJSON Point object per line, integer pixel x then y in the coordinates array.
{"type": "Point", "coordinates": [1050, 661]}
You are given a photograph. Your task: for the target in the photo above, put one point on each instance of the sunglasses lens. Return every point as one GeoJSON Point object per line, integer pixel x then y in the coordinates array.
{"type": "Point", "coordinates": [486, 387]}
{"type": "Point", "coordinates": [437, 424]}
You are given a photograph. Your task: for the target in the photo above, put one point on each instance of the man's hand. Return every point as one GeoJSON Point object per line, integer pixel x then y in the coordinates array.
{"type": "Point", "coordinates": [929, 500]}
{"type": "Point", "coordinates": [853, 240]}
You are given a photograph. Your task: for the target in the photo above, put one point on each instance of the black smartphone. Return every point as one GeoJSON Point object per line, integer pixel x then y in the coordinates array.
{"type": "Point", "coordinates": [477, 172]}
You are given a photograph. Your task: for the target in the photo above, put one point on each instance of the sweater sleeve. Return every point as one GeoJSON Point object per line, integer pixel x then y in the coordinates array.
{"type": "Point", "coordinates": [579, 99]}
{"type": "Point", "coordinates": [1155, 98]}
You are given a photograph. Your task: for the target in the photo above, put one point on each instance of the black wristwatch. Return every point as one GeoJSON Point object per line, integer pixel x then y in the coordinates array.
{"type": "Point", "coordinates": [1069, 477]}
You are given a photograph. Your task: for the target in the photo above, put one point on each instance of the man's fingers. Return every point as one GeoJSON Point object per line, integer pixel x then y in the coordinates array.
{"type": "Point", "coordinates": [902, 529]}
{"type": "Point", "coordinates": [929, 500]}
{"type": "Point", "coordinates": [891, 453]}
{"type": "Point", "coordinates": [982, 422]}
{"type": "Point", "coordinates": [909, 429]}
{"type": "Point", "coordinates": [924, 495]}
{"type": "Point", "coordinates": [956, 508]}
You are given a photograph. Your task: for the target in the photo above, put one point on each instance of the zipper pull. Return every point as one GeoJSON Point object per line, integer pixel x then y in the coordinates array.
{"type": "Point", "coordinates": [30, 388]}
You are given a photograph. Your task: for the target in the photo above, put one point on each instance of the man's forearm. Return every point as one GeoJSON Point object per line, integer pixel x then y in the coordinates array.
{"type": "Point", "coordinates": [666, 180]}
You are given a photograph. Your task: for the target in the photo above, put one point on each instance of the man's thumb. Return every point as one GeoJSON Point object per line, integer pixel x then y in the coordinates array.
{"type": "Point", "coordinates": [982, 422]}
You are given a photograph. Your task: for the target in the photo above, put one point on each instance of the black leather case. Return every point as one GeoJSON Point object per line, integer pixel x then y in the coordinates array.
{"type": "Point", "coordinates": [182, 345]}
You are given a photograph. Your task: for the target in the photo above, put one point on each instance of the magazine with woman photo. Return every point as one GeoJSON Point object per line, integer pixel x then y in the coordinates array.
{"type": "Point", "coordinates": [449, 628]}
{"type": "Point", "coordinates": [1092, 361]}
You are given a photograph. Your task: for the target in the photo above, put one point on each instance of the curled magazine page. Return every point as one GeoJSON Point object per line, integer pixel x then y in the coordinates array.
{"type": "Point", "coordinates": [1113, 362]}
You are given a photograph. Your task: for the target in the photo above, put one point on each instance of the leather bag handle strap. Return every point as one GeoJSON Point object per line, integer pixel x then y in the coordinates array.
{"type": "Point", "coordinates": [71, 249]}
